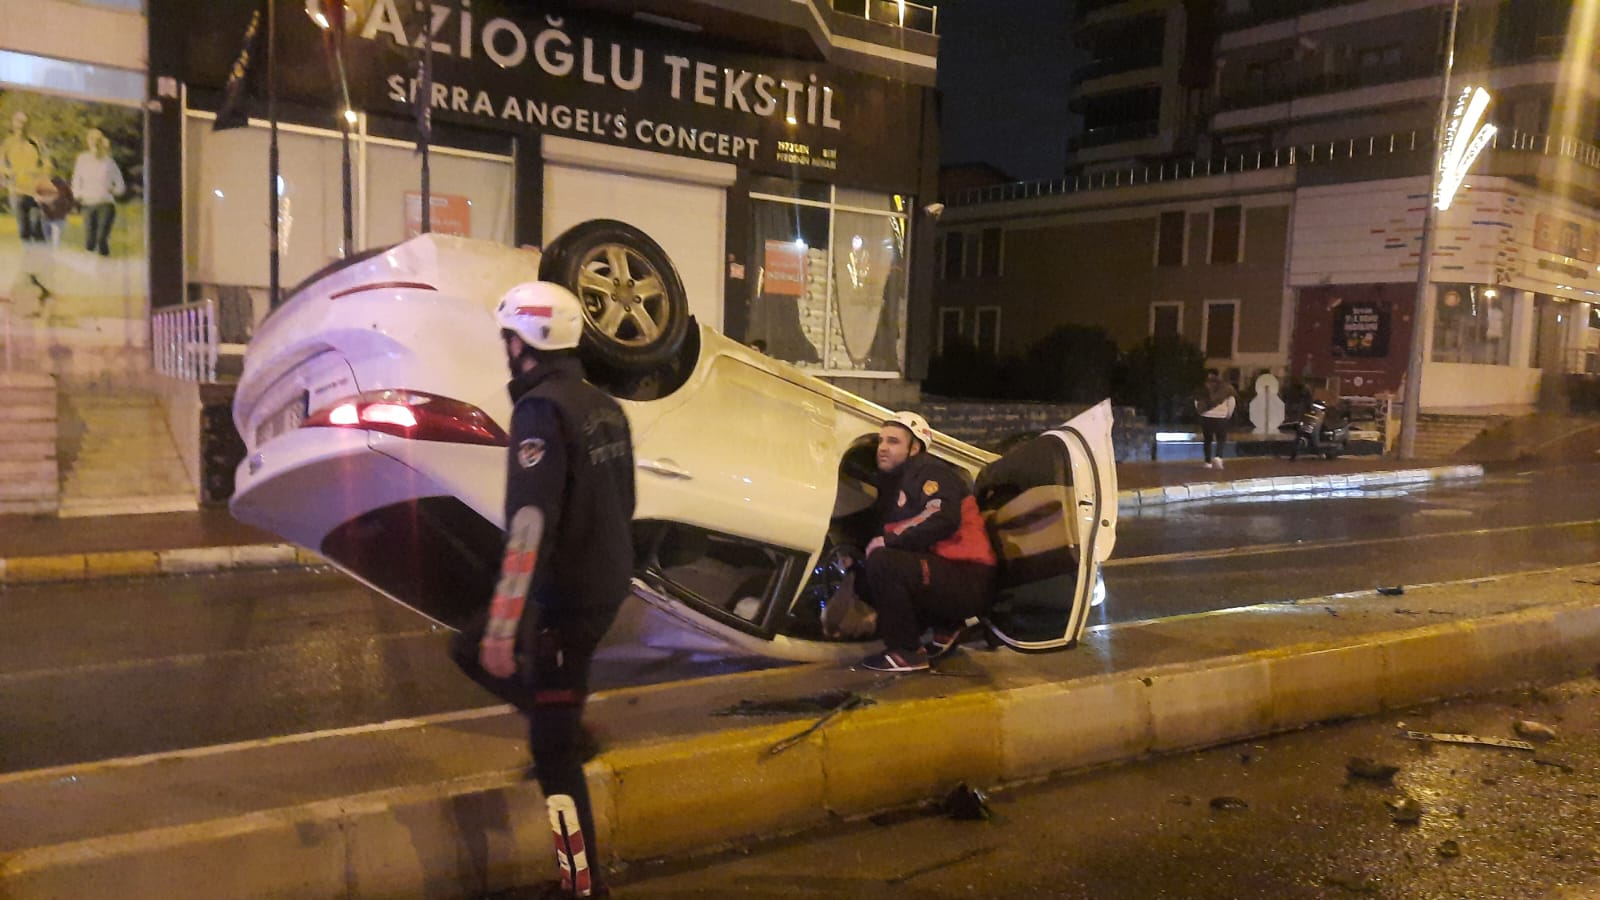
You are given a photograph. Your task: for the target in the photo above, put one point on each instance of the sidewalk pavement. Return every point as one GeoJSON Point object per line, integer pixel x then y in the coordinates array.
{"type": "Point", "coordinates": [441, 807]}
{"type": "Point", "coordinates": [43, 548]}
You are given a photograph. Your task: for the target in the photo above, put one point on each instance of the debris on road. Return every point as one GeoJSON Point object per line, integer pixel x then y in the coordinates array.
{"type": "Point", "coordinates": [810, 703]}
{"type": "Point", "coordinates": [852, 702]}
{"type": "Point", "coordinates": [1448, 849]}
{"type": "Point", "coordinates": [1222, 803]}
{"type": "Point", "coordinates": [1405, 809]}
{"type": "Point", "coordinates": [1565, 767]}
{"type": "Point", "coordinates": [1474, 739]}
{"type": "Point", "coordinates": [1354, 883]}
{"type": "Point", "coordinates": [1392, 591]}
{"type": "Point", "coordinates": [1364, 768]}
{"type": "Point", "coordinates": [1533, 731]}
{"type": "Point", "coordinates": [966, 804]}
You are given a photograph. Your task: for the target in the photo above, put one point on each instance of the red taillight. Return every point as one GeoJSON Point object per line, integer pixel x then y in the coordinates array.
{"type": "Point", "coordinates": [414, 415]}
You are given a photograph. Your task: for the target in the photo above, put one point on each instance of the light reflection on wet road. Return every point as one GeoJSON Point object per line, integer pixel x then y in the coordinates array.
{"type": "Point", "coordinates": [131, 667]}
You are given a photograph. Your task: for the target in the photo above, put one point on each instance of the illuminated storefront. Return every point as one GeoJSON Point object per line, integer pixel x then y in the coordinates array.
{"type": "Point", "coordinates": [782, 186]}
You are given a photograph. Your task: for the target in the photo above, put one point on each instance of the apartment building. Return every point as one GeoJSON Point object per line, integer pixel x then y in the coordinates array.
{"type": "Point", "coordinates": [1337, 101]}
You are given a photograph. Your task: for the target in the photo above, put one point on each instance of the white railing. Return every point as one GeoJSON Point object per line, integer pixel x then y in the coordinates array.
{"type": "Point", "coordinates": [1582, 152]}
{"type": "Point", "coordinates": [183, 341]}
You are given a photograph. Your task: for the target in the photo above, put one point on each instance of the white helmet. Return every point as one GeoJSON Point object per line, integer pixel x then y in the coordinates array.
{"type": "Point", "coordinates": [546, 316]}
{"type": "Point", "coordinates": [917, 425]}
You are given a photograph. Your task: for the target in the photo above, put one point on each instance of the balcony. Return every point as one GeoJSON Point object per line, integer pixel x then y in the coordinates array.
{"type": "Point", "coordinates": [1262, 11]}
{"type": "Point", "coordinates": [911, 16]}
{"type": "Point", "coordinates": [1513, 153]}
{"type": "Point", "coordinates": [1274, 89]}
{"type": "Point", "coordinates": [1115, 134]}
{"type": "Point", "coordinates": [1100, 68]}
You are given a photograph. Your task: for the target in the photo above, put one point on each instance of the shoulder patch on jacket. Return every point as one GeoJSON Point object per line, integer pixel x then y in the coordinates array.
{"type": "Point", "coordinates": [529, 452]}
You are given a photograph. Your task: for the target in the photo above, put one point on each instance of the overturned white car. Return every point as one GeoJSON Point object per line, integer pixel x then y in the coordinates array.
{"type": "Point", "coordinates": [373, 409]}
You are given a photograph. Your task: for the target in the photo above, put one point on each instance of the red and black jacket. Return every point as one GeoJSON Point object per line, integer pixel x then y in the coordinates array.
{"type": "Point", "coordinates": [926, 507]}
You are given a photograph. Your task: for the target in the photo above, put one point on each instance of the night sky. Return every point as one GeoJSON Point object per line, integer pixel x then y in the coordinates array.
{"type": "Point", "coordinates": [1004, 68]}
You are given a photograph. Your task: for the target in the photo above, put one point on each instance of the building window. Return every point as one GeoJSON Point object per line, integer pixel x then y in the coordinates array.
{"type": "Point", "coordinates": [830, 285]}
{"type": "Point", "coordinates": [224, 187]}
{"type": "Point", "coordinates": [1166, 320]}
{"type": "Point", "coordinates": [1472, 324]}
{"type": "Point", "coordinates": [991, 246]}
{"type": "Point", "coordinates": [1220, 329]}
{"type": "Point", "coordinates": [949, 327]}
{"type": "Point", "coordinates": [986, 329]}
{"type": "Point", "coordinates": [1227, 235]}
{"type": "Point", "coordinates": [954, 255]}
{"type": "Point", "coordinates": [73, 78]}
{"type": "Point", "coordinates": [1169, 239]}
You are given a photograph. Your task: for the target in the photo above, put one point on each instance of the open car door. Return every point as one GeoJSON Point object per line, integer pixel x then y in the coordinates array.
{"type": "Point", "coordinates": [1050, 505]}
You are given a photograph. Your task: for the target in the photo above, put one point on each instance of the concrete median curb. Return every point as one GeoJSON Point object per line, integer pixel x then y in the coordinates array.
{"type": "Point", "coordinates": [1131, 500]}
{"type": "Point", "coordinates": [690, 793]}
{"type": "Point", "coordinates": [20, 570]}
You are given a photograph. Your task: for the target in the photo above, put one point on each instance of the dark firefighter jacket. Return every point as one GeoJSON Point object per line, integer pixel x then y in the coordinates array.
{"type": "Point", "coordinates": [925, 507]}
{"type": "Point", "coordinates": [571, 456]}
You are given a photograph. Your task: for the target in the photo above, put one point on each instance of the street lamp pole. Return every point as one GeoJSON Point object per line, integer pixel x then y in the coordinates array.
{"type": "Point", "coordinates": [1422, 317]}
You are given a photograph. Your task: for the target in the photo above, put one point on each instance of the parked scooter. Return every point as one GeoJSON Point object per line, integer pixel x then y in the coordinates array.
{"type": "Point", "coordinates": [1322, 430]}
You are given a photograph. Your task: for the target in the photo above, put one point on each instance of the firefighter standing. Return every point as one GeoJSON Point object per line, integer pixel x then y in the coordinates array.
{"type": "Point", "coordinates": [932, 566]}
{"type": "Point", "coordinates": [568, 559]}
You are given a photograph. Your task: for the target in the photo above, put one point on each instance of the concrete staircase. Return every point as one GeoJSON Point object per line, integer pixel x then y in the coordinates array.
{"type": "Point", "coordinates": [118, 456]}
{"type": "Point", "coordinates": [28, 475]}
{"type": "Point", "coordinates": [1442, 436]}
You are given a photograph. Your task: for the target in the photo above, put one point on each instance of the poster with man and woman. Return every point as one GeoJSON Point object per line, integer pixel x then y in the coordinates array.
{"type": "Point", "coordinates": [72, 251]}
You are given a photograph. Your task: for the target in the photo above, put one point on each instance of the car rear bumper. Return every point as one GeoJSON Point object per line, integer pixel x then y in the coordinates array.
{"type": "Point", "coordinates": [304, 484]}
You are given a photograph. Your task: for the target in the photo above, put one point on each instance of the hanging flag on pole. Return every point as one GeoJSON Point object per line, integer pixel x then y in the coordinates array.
{"type": "Point", "coordinates": [236, 94]}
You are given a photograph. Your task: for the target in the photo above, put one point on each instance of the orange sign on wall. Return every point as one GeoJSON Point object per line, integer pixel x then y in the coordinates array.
{"type": "Point", "coordinates": [452, 214]}
{"type": "Point", "coordinates": [784, 269]}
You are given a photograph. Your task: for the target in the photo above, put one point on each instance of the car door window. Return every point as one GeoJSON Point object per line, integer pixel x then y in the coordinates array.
{"type": "Point", "coordinates": [1045, 505]}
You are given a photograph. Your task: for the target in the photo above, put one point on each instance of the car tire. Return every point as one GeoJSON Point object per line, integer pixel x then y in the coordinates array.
{"type": "Point", "coordinates": [635, 310]}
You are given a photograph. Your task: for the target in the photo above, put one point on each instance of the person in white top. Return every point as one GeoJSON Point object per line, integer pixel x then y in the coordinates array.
{"type": "Point", "coordinates": [1216, 411]}
{"type": "Point", "coordinates": [97, 183]}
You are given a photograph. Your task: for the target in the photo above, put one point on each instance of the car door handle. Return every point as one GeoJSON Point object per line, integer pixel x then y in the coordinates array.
{"type": "Point", "coordinates": [664, 467]}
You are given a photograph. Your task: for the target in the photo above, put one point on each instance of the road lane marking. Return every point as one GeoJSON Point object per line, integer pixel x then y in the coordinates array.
{"type": "Point", "coordinates": [1292, 546]}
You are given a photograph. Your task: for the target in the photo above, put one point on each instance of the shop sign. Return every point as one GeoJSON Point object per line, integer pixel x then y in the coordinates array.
{"type": "Point", "coordinates": [527, 67]}
{"type": "Point", "coordinates": [449, 214]}
{"type": "Point", "coordinates": [1360, 330]}
{"type": "Point", "coordinates": [784, 272]}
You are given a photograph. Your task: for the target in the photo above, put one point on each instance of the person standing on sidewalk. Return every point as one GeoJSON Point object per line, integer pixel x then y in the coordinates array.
{"type": "Point", "coordinates": [932, 566]}
{"type": "Point", "coordinates": [568, 560]}
{"type": "Point", "coordinates": [1216, 411]}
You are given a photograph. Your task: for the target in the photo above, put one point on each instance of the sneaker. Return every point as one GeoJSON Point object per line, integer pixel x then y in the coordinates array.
{"type": "Point", "coordinates": [1217, 464]}
{"type": "Point", "coordinates": [942, 643]}
{"type": "Point", "coordinates": [895, 661]}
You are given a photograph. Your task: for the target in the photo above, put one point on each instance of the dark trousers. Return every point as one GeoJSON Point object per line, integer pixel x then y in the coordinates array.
{"type": "Point", "coordinates": [913, 592]}
{"type": "Point", "coordinates": [1214, 431]}
{"type": "Point", "coordinates": [549, 687]}
{"type": "Point", "coordinates": [30, 219]}
{"type": "Point", "coordinates": [97, 221]}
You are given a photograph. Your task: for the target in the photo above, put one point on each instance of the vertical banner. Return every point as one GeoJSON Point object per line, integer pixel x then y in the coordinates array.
{"type": "Point", "coordinates": [73, 266]}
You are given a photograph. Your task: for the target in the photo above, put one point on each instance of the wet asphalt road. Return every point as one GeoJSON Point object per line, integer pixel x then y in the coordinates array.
{"type": "Point", "coordinates": [121, 668]}
{"type": "Point", "coordinates": [1279, 818]}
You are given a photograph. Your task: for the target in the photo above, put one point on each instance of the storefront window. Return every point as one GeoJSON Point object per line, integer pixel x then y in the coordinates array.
{"type": "Point", "coordinates": [227, 226]}
{"type": "Point", "coordinates": [830, 276]}
{"type": "Point", "coordinates": [1472, 324]}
